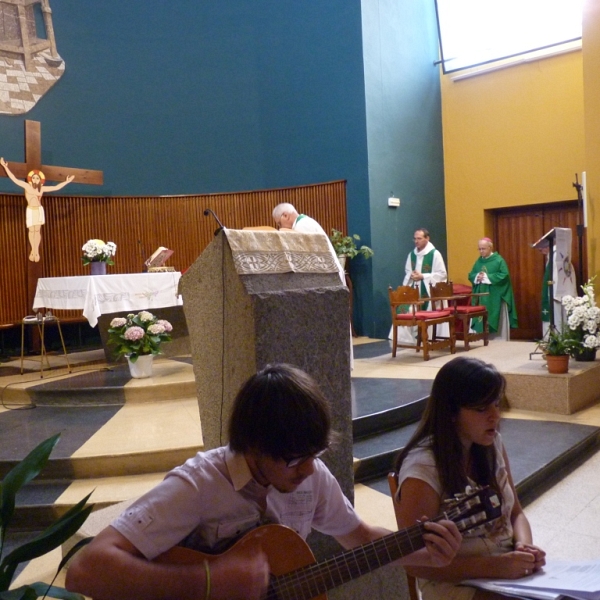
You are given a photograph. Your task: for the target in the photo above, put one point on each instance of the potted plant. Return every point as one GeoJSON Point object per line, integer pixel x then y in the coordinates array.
{"type": "Point", "coordinates": [138, 338]}
{"type": "Point", "coordinates": [345, 246]}
{"type": "Point", "coordinates": [583, 320]}
{"type": "Point", "coordinates": [558, 346]}
{"type": "Point", "coordinates": [52, 537]}
{"type": "Point", "coordinates": [98, 254]}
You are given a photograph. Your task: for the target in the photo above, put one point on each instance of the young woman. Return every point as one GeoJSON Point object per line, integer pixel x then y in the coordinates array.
{"type": "Point", "coordinates": [457, 443]}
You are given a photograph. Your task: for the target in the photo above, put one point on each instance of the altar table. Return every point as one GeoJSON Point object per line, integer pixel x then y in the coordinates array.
{"type": "Point", "coordinates": [101, 294]}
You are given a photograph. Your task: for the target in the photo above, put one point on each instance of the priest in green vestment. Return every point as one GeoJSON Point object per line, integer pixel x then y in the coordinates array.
{"type": "Point", "coordinates": [490, 274]}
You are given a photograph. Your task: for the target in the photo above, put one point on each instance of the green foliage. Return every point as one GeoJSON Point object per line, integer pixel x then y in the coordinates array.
{"type": "Point", "coordinates": [52, 537]}
{"type": "Point", "coordinates": [560, 343]}
{"type": "Point", "coordinates": [345, 245]}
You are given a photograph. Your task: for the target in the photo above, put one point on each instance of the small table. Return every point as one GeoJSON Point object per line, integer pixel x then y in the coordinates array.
{"type": "Point", "coordinates": [100, 294]}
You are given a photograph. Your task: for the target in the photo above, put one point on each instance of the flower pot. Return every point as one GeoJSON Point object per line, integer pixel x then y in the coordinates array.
{"type": "Point", "coordinates": [558, 364]}
{"type": "Point", "coordinates": [98, 268]}
{"type": "Point", "coordinates": [586, 355]}
{"type": "Point", "coordinates": [142, 367]}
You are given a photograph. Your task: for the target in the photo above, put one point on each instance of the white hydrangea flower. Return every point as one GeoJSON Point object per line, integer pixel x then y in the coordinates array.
{"type": "Point", "coordinates": [583, 315]}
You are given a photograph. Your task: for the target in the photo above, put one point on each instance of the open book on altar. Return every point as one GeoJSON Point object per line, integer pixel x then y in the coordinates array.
{"type": "Point", "coordinates": [159, 258]}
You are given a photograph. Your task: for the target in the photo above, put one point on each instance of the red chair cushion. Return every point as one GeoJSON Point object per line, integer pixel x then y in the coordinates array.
{"type": "Point", "coordinates": [470, 309]}
{"type": "Point", "coordinates": [432, 314]}
{"type": "Point", "coordinates": [461, 288]}
{"type": "Point", "coordinates": [404, 317]}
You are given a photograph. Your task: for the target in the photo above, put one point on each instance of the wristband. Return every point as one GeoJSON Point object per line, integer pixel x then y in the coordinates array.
{"type": "Point", "coordinates": [207, 571]}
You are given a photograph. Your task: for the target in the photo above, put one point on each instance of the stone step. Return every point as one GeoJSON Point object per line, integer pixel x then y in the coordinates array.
{"type": "Point", "coordinates": [98, 383]}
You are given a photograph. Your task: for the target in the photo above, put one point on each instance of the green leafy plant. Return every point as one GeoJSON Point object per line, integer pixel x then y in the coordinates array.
{"type": "Point", "coordinates": [559, 343]}
{"type": "Point", "coordinates": [345, 245]}
{"type": "Point", "coordinates": [52, 537]}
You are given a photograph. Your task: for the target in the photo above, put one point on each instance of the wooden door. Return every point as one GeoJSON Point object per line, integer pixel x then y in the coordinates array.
{"type": "Point", "coordinates": [515, 230]}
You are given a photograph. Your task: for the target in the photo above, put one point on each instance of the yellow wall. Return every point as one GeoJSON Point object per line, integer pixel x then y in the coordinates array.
{"type": "Point", "coordinates": [511, 137]}
{"type": "Point", "coordinates": [591, 69]}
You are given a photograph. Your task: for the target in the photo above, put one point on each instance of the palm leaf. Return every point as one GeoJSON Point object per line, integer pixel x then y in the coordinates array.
{"type": "Point", "coordinates": [21, 474]}
{"type": "Point", "coordinates": [39, 589]}
{"type": "Point", "coordinates": [52, 537]}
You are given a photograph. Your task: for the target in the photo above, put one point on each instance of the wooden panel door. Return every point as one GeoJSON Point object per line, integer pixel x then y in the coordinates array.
{"type": "Point", "coordinates": [515, 230]}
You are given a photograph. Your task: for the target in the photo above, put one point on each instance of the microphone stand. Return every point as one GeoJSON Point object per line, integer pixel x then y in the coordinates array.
{"type": "Point", "coordinates": [580, 227]}
{"type": "Point", "coordinates": [208, 211]}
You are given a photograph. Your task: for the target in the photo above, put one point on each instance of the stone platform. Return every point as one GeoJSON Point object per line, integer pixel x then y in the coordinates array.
{"type": "Point", "coordinates": [529, 385]}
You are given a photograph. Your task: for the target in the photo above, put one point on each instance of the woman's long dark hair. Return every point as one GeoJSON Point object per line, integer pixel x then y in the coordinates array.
{"type": "Point", "coordinates": [461, 383]}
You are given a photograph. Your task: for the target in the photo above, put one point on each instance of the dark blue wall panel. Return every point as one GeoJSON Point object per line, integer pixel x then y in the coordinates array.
{"type": "Point", "coordinates": [188, 96]}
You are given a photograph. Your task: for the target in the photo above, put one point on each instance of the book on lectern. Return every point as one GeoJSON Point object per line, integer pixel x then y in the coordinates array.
{"type": "Point", "coordinates": [544, 241]}
{"type": "Point", "coordinates": [158, 259]}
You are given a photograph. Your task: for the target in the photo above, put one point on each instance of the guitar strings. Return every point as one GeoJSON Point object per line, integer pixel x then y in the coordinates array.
{"type": "Point", "coordinates": [316, 579]}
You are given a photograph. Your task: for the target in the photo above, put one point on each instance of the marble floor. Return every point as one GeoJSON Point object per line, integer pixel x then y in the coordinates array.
{"type": "Point", "coordinates": [565, 519]}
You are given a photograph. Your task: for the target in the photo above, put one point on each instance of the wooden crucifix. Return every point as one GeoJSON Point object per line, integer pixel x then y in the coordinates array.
{"type": "Point", "coordinates": [34, 174]}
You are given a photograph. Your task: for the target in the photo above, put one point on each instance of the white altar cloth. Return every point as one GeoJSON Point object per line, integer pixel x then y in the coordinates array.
{"type": "Point", "coordinates": [100, 294]}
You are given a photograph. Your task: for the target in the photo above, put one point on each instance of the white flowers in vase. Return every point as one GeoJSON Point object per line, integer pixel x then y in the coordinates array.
{"type": "Point", "coordinates": [98, 251]}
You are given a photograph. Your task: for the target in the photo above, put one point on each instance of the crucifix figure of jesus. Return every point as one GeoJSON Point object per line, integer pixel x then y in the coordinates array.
{"type": "Point", "coordinates": [34, 188]}
{"type": "Point", "coordinates": [32, 175]}
{"type": "Point", "coordinates": [27, 173]}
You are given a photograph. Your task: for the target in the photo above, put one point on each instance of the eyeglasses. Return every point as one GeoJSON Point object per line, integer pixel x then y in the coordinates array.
{"type": "Point", "coordinates": [296, 462]}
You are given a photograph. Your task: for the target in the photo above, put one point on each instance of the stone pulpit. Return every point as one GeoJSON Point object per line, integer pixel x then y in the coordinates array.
{"type": "Point", "coordinates": [258, 297]}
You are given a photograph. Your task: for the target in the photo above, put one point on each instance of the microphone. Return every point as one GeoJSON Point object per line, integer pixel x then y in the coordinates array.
{"type": "Point", "coordinates": [208, 211]}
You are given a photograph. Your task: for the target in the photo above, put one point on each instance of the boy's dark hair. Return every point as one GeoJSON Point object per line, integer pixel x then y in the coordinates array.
{"type": "Point", "coordinates": [280, 412]}
{"type": "Point", "coordinates": [461, 383]}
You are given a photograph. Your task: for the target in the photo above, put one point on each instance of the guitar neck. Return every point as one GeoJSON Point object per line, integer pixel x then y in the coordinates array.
{"type": "Point", "coordinates": [318, 578]}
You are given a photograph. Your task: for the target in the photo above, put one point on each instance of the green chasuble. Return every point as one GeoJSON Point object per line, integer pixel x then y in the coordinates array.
{"type": "Point", "coordinates": [500, 290]}
{"type": "Point", "coordinates": [545, 294]}
{"type": "Point", "coordinates": [426, 267]}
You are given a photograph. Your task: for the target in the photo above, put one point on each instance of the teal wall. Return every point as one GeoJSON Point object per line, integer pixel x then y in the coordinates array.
{"type": "Point", "coordinates": [187, 96]}
{"type": "Point", "coordinates": [404, 131]}
{"type": "Point", "coordinates": [224, 95]}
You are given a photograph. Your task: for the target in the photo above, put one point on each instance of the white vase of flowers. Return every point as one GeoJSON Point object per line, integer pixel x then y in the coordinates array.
{"type": "Point", "coordinates": [142, 367]}
{"type": "Point", "coordinates": [98, 254]}
{"type": "Point", "coordinates": [139, 337]}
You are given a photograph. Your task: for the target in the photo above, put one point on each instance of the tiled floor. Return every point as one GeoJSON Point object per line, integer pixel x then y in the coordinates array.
{"type": "Point", "coordinates": [565, 520]}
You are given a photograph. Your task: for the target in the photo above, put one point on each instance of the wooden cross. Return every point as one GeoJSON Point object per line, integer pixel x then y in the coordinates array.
{"type": "Point", "coordinates": [33, 160]}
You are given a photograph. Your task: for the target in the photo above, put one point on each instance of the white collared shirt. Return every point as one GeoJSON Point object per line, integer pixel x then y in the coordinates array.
{"type": "Point", "coordinates": [213, 499]}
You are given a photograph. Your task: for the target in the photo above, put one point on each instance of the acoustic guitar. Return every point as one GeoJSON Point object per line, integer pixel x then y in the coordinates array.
{"type": "Point", "coordinates": [295, 575]}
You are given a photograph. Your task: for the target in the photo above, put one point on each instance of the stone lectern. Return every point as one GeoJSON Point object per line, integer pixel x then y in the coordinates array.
{"type": "Point", "coordinates": [259, 297]}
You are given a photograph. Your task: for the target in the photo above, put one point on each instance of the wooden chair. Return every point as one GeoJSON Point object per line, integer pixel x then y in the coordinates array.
{"type": "Point", "coordinates": [443, 298]}
{"type": "Point", "coordinates": [413, 590]}
{"type": "Point", "coordinates": [406, 310]}
{"type": "Point", "coordinates": [464, 313]}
